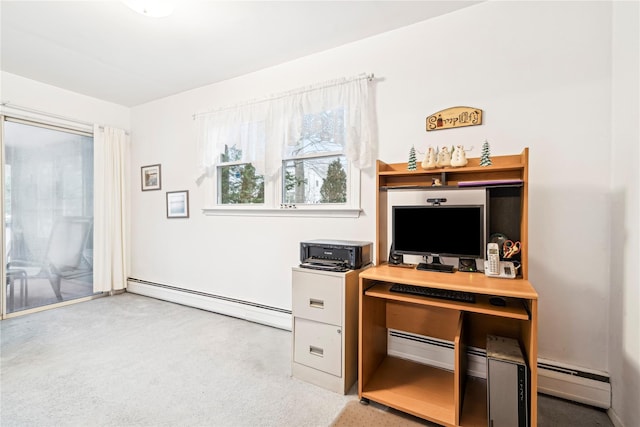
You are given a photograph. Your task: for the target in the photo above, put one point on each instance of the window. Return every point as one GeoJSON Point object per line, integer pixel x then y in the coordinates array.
{"type": "Point", "coordinates": [315, 167]}
{"type": "Point", "coordinates": [300, 152]}
{"type": "Point", "coordinates": [238, 182]}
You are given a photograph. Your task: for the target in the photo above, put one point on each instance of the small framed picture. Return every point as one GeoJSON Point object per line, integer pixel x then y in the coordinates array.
{"type": "Point", "coordinates": [150, 177]}
{"type": "Point", "coordinates": [178, 204]}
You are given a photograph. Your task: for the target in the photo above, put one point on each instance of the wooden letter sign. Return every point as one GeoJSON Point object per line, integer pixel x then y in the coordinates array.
{"type": "Point", "coordinates": [454, 117]}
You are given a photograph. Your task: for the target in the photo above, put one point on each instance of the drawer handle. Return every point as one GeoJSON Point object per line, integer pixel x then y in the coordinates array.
{"type": "Point", "coordinates": [316, 351]}
{"type": "Point", "coordinates": [316, 303]}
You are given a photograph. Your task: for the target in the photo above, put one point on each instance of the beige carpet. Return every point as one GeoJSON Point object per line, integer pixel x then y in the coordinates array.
{"type": "Point", "coordinates": [372, 415]}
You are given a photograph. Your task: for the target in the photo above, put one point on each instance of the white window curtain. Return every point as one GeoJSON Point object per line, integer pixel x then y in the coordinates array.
{"type": "Point", "coordinates": [350, 94]}
{"type": "Point", "coordinates": [283, 117]}
{"type": "Point", "coordinates": [111, 153]}
{"type": "Point", "coordinates": [240, 126]}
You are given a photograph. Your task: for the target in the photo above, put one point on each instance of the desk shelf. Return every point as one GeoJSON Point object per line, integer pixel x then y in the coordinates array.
{"type": "Point", "coordinates": [476, 283]}
{"type": "Point", "coordinates": [515, 308]}
{"type": "Point", "coordinates": [414, 388]}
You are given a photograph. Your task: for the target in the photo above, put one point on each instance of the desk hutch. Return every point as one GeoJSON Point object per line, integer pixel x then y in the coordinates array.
{"type": "Point", "coordinates": [451, 398]}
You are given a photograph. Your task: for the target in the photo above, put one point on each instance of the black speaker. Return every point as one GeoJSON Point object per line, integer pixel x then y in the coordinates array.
{"type": "Point", "coordinates": [394, 258]}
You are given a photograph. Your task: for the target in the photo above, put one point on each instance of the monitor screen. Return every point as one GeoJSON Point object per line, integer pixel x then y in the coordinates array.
{"type": "Point", "coordinates": [455, 231]}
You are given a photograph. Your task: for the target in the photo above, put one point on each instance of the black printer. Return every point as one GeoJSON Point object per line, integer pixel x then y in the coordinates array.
{"type": "Point", "coordinates": [335, 255]}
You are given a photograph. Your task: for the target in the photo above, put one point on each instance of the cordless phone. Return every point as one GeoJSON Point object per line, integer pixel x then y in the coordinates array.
{"type": "Point", "coordinates": [493, 255]}
{"type": "Point", "coordinates": [495, 268]}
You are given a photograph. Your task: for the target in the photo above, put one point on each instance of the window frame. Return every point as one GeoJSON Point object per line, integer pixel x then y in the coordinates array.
{"type": "Point", "coordinates": [286, 117]}
{"type": "Point", "coordinates": [311, 157]}
{"type": "Point", "coordinates": [218, 192]}
{"type": "Point", "coordinates": [274, 193]}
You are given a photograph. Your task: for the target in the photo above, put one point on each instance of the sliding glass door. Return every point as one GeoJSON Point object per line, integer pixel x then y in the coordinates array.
{"type": "Point", "coordinates": [48, 214]}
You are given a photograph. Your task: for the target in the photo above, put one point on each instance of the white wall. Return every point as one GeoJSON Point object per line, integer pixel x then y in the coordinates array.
{"type": "Point", "coordinates": [540, 71]}
{"type": "Point", "coordinates": [624, 341]}
{"type": "Point", "coordinates": [28, 93]}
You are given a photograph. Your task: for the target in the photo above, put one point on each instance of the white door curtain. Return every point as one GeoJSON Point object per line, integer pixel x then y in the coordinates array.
{"type": "Point", "coordinates": [111, 154]}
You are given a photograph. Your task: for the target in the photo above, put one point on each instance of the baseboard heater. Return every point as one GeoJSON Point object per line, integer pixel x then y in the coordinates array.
{"type": "Point", "coordinates": [246, 310]}
{"type": "Point", "coordinates": [555, 379]}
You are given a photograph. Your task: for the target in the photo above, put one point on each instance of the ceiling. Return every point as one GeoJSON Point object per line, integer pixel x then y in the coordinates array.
{"type": "Point", "coordinates": [105, 50]}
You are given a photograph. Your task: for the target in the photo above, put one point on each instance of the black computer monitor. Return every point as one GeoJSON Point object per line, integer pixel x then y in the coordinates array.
{"type": "Point", "coordinates": [434, 231]}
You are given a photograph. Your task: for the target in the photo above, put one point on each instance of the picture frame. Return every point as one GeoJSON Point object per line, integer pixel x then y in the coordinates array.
{"type": "Point", "coordinates": [178, 204]}
{"type": "Point", "coordinates": [151, 177]}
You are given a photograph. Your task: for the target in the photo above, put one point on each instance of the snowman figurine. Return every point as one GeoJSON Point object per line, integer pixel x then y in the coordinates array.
{"type": "Point", "coordinates": [459, 157]}
{"type": "Point", "coordinates": [429, 161]}
{"type": "Point", "coordinates": [444, 157]}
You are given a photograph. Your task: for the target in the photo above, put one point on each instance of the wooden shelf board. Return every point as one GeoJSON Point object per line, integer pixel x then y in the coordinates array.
{"type": "Point", "coordinates": [464, 170]}
{"type": "Point", "coordinates": [509, 162]}
{"type": "Point", "coordinates": [474, 407]}
{"type": "Point", "coordinates": [477, 283]}
{"type": "Point", "coordinates": [513, 310]}
{"type": "Point", "coordinates": [420, 390]}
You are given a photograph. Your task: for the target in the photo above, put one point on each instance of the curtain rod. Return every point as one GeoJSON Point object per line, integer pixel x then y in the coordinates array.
{"type": "Point", "coordinates": [8, 104]}
{"type": "Point", "coordinates": [274, 97]}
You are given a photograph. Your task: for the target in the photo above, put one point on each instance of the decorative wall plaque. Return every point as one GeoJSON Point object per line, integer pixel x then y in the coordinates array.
{"type": "Point", "coordinates": [454, 117]}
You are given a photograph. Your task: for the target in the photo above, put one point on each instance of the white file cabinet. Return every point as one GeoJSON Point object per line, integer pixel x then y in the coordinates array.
{"type": "Point", "coordinates": [325, 328]}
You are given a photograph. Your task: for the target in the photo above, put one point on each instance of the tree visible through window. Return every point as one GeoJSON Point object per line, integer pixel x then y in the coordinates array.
{"type": "Point", "coordinates": [238, 181]}
{"type": "Point", "coordinates": [334, 187]}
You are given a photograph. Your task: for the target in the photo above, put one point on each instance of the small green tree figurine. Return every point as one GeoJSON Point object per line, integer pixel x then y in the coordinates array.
{"type": "Point", "coordinates": [485, 160]}
{"type": "Point", "coordinates": [411, 165]}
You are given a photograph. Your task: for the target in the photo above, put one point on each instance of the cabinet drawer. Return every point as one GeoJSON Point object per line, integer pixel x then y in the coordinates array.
{"type": "Point", "coordinates": [318, 345]}
{"type": "Point", "coordinates": [318, 297]}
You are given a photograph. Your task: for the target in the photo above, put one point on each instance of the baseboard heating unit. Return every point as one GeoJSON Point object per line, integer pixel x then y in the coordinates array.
{"type": "Point", "coordinates": [246, 310]}
{"type": "Point", "coordinates": [577, 384]}
{"type": "Point", "coordinates": [434, 352]}
{"type": "Point", "coordinates": [555, 379]}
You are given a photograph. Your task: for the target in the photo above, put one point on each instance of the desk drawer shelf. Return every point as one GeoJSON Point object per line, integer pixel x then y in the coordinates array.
{"type": "Point", "coordinates": [414, 388]}
{"type": "Point", "coordinates": [515, 308]}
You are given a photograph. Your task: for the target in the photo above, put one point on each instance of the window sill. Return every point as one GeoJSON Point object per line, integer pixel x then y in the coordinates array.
{"type": "Point", "coordinates": [286, 212]}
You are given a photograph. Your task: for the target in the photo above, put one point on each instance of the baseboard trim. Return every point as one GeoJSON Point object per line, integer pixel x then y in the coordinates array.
{"type": "Point", "coordinates": [574, 384]}
{"type": "Point", "coordinates": [554, 379]}
{"type": "Point", "coordinates": [259, 313]}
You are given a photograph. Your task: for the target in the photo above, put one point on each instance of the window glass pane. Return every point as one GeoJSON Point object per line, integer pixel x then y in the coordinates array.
{"type": "Point", "coordinates": [315, 180]}
{"type": "Point", "coordinates": [48, 215]}
{"type": "Point", "coordinates": [238, 183]}
{"type": "Point", "coordinates": [231, 154]}
{"type": "Point", "coordinates": [321, 133]}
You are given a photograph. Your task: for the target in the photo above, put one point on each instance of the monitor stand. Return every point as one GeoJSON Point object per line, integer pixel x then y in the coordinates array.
{"type": "Point", "coordinates": [435, 265]}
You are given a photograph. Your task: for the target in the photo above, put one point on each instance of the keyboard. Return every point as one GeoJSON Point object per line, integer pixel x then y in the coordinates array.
{"type": "Point", "coordinates": [459, 296]}
{"type": "Point", "coordinates": [443, 268]}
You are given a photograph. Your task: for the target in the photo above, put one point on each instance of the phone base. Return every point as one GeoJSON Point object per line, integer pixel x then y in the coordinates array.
{"type": "Point", "coordinates": [507, 270]}
{"type": "Point", "coordinates": [467, 264]}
